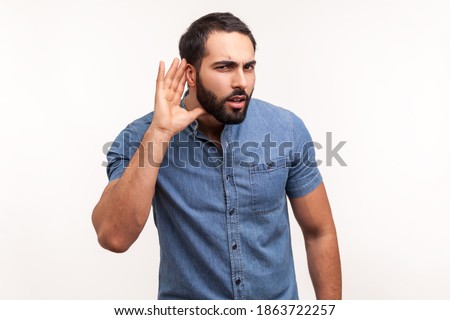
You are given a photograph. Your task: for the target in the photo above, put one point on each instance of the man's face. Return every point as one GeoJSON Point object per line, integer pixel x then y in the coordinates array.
{"type": "Point", "coordinates": [226, 78]}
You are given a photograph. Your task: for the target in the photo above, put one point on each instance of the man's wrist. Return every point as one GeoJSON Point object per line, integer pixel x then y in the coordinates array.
{"type": "Point", "coordinates": [157, 135]}
{"type": "Point", "coordinates": [154, 146]}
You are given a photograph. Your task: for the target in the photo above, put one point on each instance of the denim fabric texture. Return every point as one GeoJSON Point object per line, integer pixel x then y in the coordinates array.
{"type": "Point", "coordinates": [222, 216]}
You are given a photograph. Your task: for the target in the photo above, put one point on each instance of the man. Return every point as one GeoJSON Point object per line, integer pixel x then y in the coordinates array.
{"type": "Point", "coordinates": [216, 166]}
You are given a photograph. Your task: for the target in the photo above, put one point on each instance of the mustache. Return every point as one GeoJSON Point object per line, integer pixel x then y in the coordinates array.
{"type": "Point", "coordinates": [237, 92]}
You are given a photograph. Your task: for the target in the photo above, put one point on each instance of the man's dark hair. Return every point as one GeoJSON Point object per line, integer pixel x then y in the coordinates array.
{"type": "Point", "coordinates": [193, 41]}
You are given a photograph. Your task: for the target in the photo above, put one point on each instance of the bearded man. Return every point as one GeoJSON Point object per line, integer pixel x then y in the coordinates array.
{"type": "Point", "coordinates": [217, 167]}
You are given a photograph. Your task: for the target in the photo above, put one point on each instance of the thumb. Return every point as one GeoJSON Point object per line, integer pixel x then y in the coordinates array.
{"type": "Point", "coordinates": [197, 112]}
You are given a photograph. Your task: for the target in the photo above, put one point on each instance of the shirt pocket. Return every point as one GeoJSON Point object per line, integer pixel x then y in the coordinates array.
{"type": "Point", "coordinates": [268, 184]}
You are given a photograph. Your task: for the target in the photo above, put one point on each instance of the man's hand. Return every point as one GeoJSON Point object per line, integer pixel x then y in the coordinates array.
{"type": "Point", "coordinates": [168, 117]}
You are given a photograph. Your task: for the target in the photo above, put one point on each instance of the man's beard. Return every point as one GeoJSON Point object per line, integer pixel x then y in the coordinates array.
{"type": "Point", "coordinates": [211, 103]}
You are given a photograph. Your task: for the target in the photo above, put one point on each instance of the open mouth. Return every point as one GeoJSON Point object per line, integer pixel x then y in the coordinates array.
{"type": "Point", "coordinates": [237, 102]}
{"type": "Point", "coordinates": [237, 99]}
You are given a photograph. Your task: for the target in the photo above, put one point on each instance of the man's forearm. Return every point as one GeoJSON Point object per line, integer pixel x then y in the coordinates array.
{"type": "Point", "coordinates": [123, 209]}
{"type": "Point", "coordinates": [324, 266]}
{"type": "Point", "coordinates": [137, 184]}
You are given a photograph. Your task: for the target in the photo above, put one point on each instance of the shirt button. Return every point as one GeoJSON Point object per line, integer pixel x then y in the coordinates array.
{"type": "Point", "coordinates": [231, 212]}
{"type": "Point", "coordinates": [228, 177]}
{"type": "Point", "coordinates": [238, 281]}
{"type": "Point", "coordinates": [234, 247]}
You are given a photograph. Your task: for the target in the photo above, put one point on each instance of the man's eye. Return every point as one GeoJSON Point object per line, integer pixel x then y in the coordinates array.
{"type": "Point", "coordinates": [221, 67]}
{"type": "Point", "coordinates": [250, 67]}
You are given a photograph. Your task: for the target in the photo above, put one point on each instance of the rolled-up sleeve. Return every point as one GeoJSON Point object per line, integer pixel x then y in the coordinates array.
{"type": "Point", "coordinates": [304, 175]}
{"type": "Point", "coordinates": [121, 152]}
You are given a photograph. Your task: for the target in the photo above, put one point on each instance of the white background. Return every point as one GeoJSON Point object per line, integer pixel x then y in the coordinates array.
{"type": "Point", "coordinates": [374, 73]}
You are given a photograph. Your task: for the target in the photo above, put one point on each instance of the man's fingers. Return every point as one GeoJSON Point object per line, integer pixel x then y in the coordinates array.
{"type": "Point", "coordinates": [161, 70]}
{"type": "Point", "coordinates": [170, 74]}
{"type": "Point", "coordinates": [181, 84]}
{"type": "Point", "coordinates": [171, 86]}
{"type": "Point", "coordinates": [179, 74]}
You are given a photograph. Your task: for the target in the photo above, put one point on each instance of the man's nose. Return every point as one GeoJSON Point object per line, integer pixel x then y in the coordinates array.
{"type": "Point", "coordinates": [239, 80]}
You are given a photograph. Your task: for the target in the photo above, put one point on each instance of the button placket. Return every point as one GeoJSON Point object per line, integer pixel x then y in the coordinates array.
{"type": "Point", "coordinates": [232, 217]}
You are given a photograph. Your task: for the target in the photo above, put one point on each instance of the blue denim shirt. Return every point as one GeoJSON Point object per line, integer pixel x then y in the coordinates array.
{"type": "Point", "coordinates": [222, 216]}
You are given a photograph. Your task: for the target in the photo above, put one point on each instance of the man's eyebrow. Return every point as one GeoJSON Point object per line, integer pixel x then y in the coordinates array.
{"type": "Point", "coordinates": [230, 63]}
{"type": "Point", "coordinates": [250, 63]}
{"type": "Point", "coordinates": [227, 63]}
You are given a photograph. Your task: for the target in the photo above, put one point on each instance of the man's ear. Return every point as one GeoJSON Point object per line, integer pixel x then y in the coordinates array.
{"type": "Point", "coordinates": [191, 75]}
